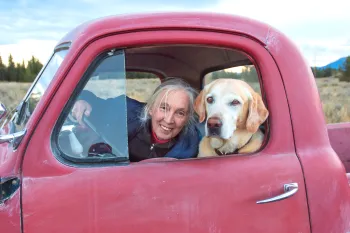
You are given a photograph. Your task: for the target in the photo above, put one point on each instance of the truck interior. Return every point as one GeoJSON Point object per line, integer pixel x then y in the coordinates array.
{"type": "Point", "coordinates": [189, 62]}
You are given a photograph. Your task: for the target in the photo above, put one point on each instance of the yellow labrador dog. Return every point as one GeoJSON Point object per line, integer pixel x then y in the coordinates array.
{"type": "Point", "coordinates": [233, 112]}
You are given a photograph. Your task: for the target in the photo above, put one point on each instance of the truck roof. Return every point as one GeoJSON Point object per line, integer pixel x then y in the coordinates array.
{"type": "Point", "coordinates": [170, 20]}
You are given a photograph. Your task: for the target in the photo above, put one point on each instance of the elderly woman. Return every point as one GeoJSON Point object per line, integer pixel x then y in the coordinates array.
{"type": "Point", "coordinates": [162, 127]}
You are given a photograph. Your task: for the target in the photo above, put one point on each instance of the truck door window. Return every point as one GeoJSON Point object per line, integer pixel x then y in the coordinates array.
{"type": "Point", "coordinates": [100, 133]}
{"type": "Point", "coordinates": [106, 117]}
{"type": "Point", "coordinates": [37, 90]}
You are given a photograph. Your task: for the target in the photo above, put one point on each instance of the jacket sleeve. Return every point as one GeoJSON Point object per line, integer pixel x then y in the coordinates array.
{"type": "Point", "coordinates": [114, 112]}
{"type": "Point", "coordinates": [103, 109]}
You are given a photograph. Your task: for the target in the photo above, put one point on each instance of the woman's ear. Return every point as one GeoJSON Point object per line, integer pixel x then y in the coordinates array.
{"type": "Point", "coordinates": [257, 113]}
{"type": "Point", "coordinates": [199, 106]}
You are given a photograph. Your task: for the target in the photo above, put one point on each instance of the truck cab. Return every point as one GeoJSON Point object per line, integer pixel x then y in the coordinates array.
{"type": "Point", "coordinates": [58, 176]}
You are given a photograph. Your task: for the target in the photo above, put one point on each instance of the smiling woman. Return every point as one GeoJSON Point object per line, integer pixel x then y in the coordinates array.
{"type": "Point", "coordinates": [162, 129]}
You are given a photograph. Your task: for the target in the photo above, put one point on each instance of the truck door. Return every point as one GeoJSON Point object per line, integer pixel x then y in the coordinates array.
{"type": "Point", "coordinates": [79, 179]}
{"type": "Point", "coordinates": [16, 127]}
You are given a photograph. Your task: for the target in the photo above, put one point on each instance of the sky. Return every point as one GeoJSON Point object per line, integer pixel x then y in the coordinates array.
{"type": "Point", "coordinates": [33, 27]}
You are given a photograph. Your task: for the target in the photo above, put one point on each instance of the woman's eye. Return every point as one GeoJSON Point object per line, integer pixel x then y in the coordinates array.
{"type": "Point", "coordinates": [235, 102]}
{"type": "Point", "coordinates": [210, 100]}
{"type": "Point", "coordinates": [181, 113]}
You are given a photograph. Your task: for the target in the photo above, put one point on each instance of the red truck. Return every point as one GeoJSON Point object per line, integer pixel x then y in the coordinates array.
{"type": "Point", "coordinates": [52, 182]}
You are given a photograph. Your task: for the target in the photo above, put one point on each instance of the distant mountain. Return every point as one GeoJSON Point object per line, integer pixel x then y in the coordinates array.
{"type": "Point", "coordinates": [334, 65]}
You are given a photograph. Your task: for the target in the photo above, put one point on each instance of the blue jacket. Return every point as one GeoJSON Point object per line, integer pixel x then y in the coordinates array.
{"type": "Point", "coordinates": [104, 112]}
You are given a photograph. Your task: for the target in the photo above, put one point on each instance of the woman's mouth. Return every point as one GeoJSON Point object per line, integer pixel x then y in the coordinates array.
{"type": "Point", "coordinates": [165, 128]}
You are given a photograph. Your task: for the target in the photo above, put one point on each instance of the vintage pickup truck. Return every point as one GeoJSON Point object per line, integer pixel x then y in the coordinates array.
{"type": "Point", "coordinates": [52, 181]}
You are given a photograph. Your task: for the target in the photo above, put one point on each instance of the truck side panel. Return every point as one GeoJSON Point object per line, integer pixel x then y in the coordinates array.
{"type": "Point", "coordinates": [339, 136]}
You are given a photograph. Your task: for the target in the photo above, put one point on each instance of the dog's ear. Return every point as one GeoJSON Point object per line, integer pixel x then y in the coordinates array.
{"type": "Point", "coordinates": [257, 113]}
{"type": "Point", "coordinates": [199, 106]}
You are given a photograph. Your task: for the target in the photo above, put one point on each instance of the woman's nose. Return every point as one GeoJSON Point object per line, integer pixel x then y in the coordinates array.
{"type": "Point", "coordinates": [169, 117]}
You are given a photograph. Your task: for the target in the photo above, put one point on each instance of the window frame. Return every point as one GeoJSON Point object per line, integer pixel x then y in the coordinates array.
{"type": "Point", "coordinates": [57, 152]}
{"type": "Point", "coordinates": [151, 37]}
{"type": "Point", "coordinates": [17, 118]}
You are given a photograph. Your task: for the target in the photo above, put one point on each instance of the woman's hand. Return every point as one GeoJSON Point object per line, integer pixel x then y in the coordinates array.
{"type": "Point", "coordinates": [81, 107]}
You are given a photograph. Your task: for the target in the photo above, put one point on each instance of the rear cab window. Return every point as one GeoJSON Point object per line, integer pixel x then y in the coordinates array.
{"type": "Point", "coordinates": [247, 73]}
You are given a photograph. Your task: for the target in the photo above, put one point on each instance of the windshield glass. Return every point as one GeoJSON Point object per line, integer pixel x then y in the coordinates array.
{"type": "Point", "coordinates": [36, 91]}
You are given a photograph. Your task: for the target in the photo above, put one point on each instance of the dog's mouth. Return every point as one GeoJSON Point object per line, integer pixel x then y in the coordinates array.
{"type": "Point", "coordinates": [218, 135]}
{"type": "Point", "coordinates": [215, 132]}
{"type": "Point", "coordinates": [224, 134]}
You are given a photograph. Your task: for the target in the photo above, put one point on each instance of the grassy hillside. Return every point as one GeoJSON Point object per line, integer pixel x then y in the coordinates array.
{"type": "Point", "coordinates": [335, 95]}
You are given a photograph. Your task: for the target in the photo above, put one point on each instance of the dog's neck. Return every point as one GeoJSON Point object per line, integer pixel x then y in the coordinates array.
{"type": "Point", "coordinates": [231, 146]}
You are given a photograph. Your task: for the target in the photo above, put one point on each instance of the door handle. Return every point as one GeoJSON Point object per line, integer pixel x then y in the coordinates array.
{"type": "Point", "coordinates": [289, 190]}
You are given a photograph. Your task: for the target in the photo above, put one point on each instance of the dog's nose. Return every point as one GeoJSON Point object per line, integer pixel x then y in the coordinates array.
{"type": "Point", "coordinates": [214, 122]}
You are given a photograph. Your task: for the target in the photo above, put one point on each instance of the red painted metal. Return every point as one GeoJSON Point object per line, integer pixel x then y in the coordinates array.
{"type": "Point", "coordinates": [197, 195]}
{"type": "Point", "coordinates": [10, 164]}
{"type": "Point", "coordinates": [326, 182]}
{"type": "Point", "coordinates": [194, 195]}
{"type": "Point", "coordinates": [339, 139]}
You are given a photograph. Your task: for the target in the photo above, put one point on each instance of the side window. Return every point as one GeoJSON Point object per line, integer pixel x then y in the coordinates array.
{"type": "Point", "coordinates": [246, 73]}
{"type": "Point", "coordinates": [95, 125]}
{"type": "Point", "coordinates": [37, 90]}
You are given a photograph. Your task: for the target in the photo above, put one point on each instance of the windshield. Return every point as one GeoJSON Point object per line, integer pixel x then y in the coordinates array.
{"type": "Point", "coordinates": [35, 93]}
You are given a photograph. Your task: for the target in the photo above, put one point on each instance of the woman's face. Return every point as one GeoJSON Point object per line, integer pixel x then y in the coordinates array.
{"type": "Point", "coordinates": [169, 113]}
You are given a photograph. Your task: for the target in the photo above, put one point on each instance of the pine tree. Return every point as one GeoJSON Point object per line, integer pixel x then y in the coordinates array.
{"type": "Point", "coordinates": [11, 70]}
{"type": "Point", "coordinates": [3, 70]}
{"type": "Point", "coordinates": [33, 68]}
{"type": "Point", "coordinates": [346, 70]}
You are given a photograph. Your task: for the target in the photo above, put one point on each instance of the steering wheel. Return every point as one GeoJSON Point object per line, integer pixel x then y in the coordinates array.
{"type": "Point", "coordinates": [92, 127]}
{"type": "Point", "coordinates": [105, 139]}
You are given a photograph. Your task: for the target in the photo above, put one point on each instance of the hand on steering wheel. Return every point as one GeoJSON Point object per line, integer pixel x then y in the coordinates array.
{"type": "Point", "coordinates": [80, 109]}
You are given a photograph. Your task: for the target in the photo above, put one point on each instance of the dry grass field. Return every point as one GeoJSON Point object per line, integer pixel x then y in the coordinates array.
{"type": "Point", "coordinates": [335, 95]}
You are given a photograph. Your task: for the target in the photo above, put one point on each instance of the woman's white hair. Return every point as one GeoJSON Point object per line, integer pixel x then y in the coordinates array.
{"type": "Point", "coordinates": [171, 84]}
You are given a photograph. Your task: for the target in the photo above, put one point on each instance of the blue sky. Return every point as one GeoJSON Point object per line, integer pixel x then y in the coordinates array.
{"type": "Point", "coordinates": [33, 27]}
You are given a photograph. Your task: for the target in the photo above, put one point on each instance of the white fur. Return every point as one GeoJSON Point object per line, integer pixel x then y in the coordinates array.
{"type": "Point", "coordinates": [221, 107]}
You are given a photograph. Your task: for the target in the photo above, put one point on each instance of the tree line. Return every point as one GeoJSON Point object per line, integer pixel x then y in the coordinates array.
{"type": "Point", "coordinates": [19, 72]}
{"type": "Point", "coordinates": [248, 74]}
{"type": "Point", "coordinates": [343, 72]}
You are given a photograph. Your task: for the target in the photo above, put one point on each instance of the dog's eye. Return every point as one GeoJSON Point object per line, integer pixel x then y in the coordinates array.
{"type": "Point", "coordinates": [210, 99]}
{"type": "Point", "coordinates": [234, 102]}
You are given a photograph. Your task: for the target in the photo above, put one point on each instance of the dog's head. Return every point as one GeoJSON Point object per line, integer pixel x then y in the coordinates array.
{"type": "Point", "coordinates": [227, 105]}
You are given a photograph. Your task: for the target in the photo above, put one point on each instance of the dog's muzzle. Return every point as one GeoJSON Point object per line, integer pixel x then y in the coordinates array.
{"type": "Point", "coordinates": [214, 125]}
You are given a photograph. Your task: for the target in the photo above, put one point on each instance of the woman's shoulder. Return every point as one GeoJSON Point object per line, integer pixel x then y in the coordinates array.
{"type": "Point", "coordinates": [134, 104]}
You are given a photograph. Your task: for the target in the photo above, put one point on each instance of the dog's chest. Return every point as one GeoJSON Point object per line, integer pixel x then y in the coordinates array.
{"type": "Point", "coordinates": [237, 141]}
